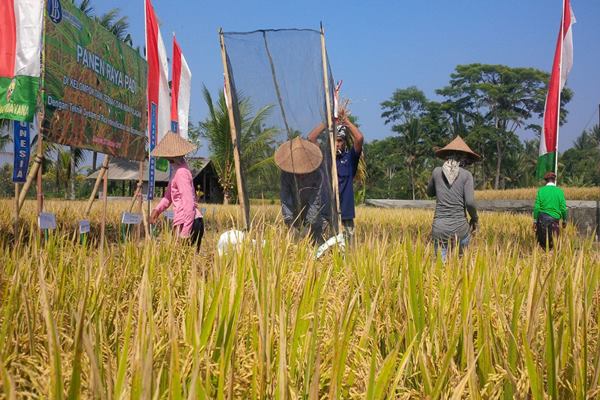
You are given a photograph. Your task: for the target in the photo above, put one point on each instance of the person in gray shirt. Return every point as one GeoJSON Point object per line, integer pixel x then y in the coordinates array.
{"type": "Point", "coordinates": [453, 188]}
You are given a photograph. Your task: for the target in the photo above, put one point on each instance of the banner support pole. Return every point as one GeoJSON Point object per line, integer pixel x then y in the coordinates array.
{"type": "Point", "coordinates": [103, 171]}
{"type": "Point", "coordinates": [330, 127]}
{"type": "Point", "coordinates": [234, 137]}
{"type": "Point", "coordinates": [104, 207]}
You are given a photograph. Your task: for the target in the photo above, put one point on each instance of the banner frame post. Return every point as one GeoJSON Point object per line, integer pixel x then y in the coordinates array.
{"type": "Point", "coordinates": [103, 171]}
{"type": "Point", "coordinates": [104, 208]}
{"type": "Point", "coordinates": [330, 127]}
{"type": "Point", "coordinates": [233, 130]}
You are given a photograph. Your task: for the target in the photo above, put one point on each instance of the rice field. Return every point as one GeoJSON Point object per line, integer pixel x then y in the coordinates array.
{"type": "Point", "coordinates": [387, 320]}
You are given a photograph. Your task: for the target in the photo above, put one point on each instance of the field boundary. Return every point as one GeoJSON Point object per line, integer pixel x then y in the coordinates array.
{"type": "Point", "coordinates": [584, 214]}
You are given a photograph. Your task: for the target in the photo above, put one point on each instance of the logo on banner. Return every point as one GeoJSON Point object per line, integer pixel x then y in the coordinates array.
{"type": "Point", "coordinates": [21, 133]}
{"type": "Point", "coordinates": [11, 89]}
{"type": "Point", "coordinates": [55, 11]}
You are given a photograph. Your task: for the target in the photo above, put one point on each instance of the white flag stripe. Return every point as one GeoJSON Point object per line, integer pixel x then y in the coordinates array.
{"type": "Point", "coordinates": [164, 97]}
{"type": "Point", "coordinates": [28, 18]}
{"type": "Point", "coordinates": [185, 92]}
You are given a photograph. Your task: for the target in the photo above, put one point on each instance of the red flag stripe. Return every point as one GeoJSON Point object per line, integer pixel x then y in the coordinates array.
{"type": "Point", "coordinates": [152, 57]}
{"type": "Point", "coordinates": [566, 18]}
{"type": "Point", "coordinates": [175, 82]}
{"type": "Point", "coordinates": [8, 38]}
{"type": "Point", "coordinates": [554, 86]}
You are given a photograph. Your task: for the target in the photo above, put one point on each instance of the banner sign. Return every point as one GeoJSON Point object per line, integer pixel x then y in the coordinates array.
{"type": "Point", "coordinates": [95, 86]}
{"type": "Point", "coordinates": [21, 150]}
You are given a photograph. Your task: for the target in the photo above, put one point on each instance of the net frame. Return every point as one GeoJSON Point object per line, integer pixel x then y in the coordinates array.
{"type": "Point", "coordinates": [327, 137]}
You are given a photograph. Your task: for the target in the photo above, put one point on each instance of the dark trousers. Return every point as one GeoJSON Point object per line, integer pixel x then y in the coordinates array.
{"type": "Point", "coordinates": [546, 228]}
{"type": "Point", "coordinates": [197, 233]}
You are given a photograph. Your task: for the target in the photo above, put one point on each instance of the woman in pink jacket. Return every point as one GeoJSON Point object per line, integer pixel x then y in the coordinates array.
{"type": "Point", "coordinates": [187, 219]}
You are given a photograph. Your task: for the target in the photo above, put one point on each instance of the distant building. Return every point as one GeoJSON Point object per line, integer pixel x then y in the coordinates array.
{"type": "Point", "coordinates": [205, 176]}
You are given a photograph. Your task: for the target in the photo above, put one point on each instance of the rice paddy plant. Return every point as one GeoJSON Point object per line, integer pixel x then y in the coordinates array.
{"type": "Point", "coordinates": [386, 320]}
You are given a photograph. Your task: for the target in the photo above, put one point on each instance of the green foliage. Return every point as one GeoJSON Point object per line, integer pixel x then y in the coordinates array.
{"type": "Point", "coordinates": [256, 146]}
{"type": "Point", "coordinates": [484, 104]}
{"type": "Point", "coordinates": [581, 163]}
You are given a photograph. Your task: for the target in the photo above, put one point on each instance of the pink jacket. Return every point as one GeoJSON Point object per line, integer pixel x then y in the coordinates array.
{"type": "Point", "coordinates": [180, 192]}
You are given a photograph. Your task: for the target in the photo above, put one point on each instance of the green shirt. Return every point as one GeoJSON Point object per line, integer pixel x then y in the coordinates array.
{"type": "Point", "coordinates": [550, 200]}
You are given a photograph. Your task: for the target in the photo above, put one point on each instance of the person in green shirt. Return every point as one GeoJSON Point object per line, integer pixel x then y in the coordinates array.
{"type": "Point", "coordinates": [550, 207]}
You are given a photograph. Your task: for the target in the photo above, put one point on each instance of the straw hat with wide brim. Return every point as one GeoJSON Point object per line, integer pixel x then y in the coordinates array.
{"type": "Point", "coordinates": [458, 145]}
{"type": "Point", "coordinates": [298, 156]}
{"type": "Point", "coordinates": [172, 145]}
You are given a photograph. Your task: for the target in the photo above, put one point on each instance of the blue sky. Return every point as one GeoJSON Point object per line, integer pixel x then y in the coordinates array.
{"type": "Point", "coordinates": [379, 46]}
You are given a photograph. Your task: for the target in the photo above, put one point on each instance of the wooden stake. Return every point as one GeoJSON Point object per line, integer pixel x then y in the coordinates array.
{"type": "Point", "coordinates": [242, 196]}
{"type": "Point", "coordinates": [334, 174]}
{"type": "Point", "coordinates": [103, 171]}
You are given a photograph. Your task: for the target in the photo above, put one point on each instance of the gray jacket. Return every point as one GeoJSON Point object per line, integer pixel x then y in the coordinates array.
{"type": "Point", "coordinates": [452, 204]}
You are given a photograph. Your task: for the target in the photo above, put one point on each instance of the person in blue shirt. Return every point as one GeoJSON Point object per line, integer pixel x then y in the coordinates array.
{"type": "Point", "coordinates": [347, 159]}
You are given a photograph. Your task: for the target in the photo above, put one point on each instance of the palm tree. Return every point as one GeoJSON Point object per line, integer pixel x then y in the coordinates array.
{"type": "Point", "coordinates": [4, 134]}
{"type": "Point", "coordinates": [256, 141]}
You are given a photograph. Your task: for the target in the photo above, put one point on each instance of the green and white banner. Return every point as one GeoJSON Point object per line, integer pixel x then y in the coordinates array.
{"type": "Point", "coordinates": [20, 49]}
{"type": "Point", "coordinates": [94, 86]}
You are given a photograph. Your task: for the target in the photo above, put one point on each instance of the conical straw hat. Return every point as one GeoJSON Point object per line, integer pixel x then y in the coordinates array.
{"type": "Point", "coordinates": [298, 156]}
{"type": "Point", "coordinates": [458, 145]}
{"type": "Point", "coordinates": [172, 145]}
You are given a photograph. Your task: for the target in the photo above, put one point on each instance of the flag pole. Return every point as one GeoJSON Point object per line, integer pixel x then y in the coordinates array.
{"type": "Point", "coordinates": [334, 175]}
{"type": "Point", "coordinates": [234, 137]}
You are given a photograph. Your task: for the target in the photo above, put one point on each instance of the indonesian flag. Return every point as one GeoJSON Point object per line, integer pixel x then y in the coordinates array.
{"type": "Point", "coordinates": [181, 92]}
{"type": "Point", "coordinates": [20, 49]}
{"type": "Point", "coordinates": [159, 113]}
{"type": "Point", "coordinates": [158, 75]}
{"type": "Point", "coordinates": [563, 62]}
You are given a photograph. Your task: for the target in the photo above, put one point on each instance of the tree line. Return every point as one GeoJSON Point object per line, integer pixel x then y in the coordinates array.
{"type": "Point", "coordinates": [488, 105]}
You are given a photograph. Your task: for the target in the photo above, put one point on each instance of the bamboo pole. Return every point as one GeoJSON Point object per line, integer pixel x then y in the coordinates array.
{"type": "Point", "coordinates": [99, 178]}
{"type": "Point", "coordinates": [104, 208]}
{"type": "Point", "coordinates": [334, 174]}
{"type": "Point", "coordinates": [40, 189]}
{"type": "Point", "coordinates": [138, 189]}
{"type": "Point", "coordinates": [234, 138]}
{"type": "Point", "coordinates": [37, 162]}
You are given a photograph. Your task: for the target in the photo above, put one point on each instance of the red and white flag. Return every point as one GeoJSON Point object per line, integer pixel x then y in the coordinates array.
{"type": "Point", "coordinates": [159, 112]}
{"type": "Point", "coordinates": [181, 92]}
{"type": "Point", "coordinates": [563, 62]}
{"type": "Point", "coordinates": [158, 77]}
{"type": "Point", "coordinates": [20, 49]}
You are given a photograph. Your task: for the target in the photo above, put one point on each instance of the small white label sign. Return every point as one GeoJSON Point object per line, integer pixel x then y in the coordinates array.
{"type": "Point", "coordinates": [84, 226]}
{"type": "Point", "coordinates": [47, 221]}
{"type": "Point", "coordinates": [169, 214]}
{"type": "Point", "coordinates": [131, 219]}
